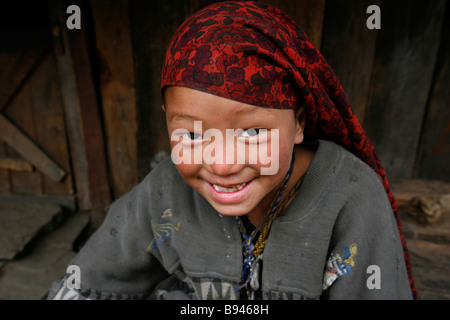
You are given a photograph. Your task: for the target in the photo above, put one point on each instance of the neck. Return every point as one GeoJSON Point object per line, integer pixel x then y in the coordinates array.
{"type": "Point", "coordinates": [303, 158]}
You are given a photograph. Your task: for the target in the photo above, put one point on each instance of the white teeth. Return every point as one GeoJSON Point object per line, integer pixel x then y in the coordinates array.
{"type": "Point", "coordinates": [231, 189]}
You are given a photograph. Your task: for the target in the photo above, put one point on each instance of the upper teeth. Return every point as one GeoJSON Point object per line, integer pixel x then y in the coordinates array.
{"type": "Point", "coordinates": [230, 189]}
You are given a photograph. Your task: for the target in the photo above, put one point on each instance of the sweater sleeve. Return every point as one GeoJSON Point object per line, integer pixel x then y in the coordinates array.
{"type": "Point", "coordinates": [366, 257]}
{"type": "Point", "coordinates": [115, 262]}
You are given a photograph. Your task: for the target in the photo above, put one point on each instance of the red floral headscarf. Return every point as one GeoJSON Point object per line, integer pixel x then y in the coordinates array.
{"type": "Point", "coordinates": [252, 53]}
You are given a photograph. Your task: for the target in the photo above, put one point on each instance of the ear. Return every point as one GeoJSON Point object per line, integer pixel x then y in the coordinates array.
{"type": "Point", "coordinates": [300, 120]}
{"type": "Point", "coordinates": [163, 107]}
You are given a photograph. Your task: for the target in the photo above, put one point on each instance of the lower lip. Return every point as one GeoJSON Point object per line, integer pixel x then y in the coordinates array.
{"type": "Point", "coordinates": [230, 197]}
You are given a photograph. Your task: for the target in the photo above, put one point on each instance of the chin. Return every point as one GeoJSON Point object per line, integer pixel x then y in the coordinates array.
{"type": "Point", "coordinates": [230, 210]}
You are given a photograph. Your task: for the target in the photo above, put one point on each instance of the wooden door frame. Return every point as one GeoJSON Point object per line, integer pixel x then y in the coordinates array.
{"type": "Point", "coordinates": [82, 111]}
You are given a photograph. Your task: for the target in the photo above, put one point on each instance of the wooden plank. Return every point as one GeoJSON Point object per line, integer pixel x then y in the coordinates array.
{"type": "Point", "coordinates": [5, 185]}
{"type": "Point", "coordinates": [65, 201]}
{"type": "Point", "coordinates": [152, 26]}
{"type": "Point", "coordinates": [430, 263]}
{"type": "Point", "coordinates": [15, 164]}
{"type": "Point", "coordinates": [23, 51]}
{"type": "Point", "coordinates": [115, 56]}
{"type": "Point", "coordinates": [349, 47]}
{"type": "Point", "coordinates": [308, 14]}
{"type": "Point", "coordinates": [20, 112]}
{"type": "Point", "coordinates": [49, 124]}
{"type": "Point", "coordinates": [92, 129]}
{"type": "Point", "coordinates": [428, 243]}
{"type": "Point", "coordinates": [404, 60]}
{"type": "Point", "coordinates": [17, 140]}
{"type": "Point", "coordinates": [70, 104]}
{"type": "Point", "coordinates": [405, 189]}
{"type": "Point", "coordinates": [434, 155]}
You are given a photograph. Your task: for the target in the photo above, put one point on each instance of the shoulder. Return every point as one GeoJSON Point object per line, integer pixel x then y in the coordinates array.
{"type": "Point", "coordinates": [157, 190]}
{"type": "Point", "coordinates": [163, 178]}
{"type": "Point", "coordinates": [338, 180]}
{"type": "Point", "coordinates": [336, 171]}
{"type": "Point", "coordinates": [165, 170]}
{"type": "Point", "coordinates": [358, 189]}
{"type": "Point", "coordinates": [328, 150]}
{"type": "Point", "coordinates": [349, 170]}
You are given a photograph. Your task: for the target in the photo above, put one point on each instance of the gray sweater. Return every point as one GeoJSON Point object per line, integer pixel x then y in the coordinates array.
{"type": "Point", "coordinates": [337, 239]}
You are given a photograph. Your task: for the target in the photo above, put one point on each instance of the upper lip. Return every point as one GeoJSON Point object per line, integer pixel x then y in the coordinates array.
{"type": "Point", "coordinates": [229, 184]}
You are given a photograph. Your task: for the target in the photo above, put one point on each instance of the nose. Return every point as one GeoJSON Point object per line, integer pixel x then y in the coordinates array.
{"type": "Point", "coordinates": [220, 161]}
{"type": "Point", "coordinates": [223, 169]}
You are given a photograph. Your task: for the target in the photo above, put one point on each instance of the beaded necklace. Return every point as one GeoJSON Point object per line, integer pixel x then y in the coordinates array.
{"type": "Point", "coordinates": [252, 250]}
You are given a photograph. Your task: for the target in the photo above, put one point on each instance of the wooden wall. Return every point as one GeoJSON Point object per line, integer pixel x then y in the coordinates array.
{"type": "Point", "coordinates": [397, 79]}
{"type": "Point", "coordinates": [34, 154]}
{"type": "Point", "coordinates": [106, 126]}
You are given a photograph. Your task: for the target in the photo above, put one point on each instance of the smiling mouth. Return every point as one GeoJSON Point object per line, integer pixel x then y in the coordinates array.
{"type": "Point", "coordinates": [229, 189]}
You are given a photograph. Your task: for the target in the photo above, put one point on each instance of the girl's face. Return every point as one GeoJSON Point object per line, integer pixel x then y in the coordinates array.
{"type": "Point", "coordinates": [233, 185]}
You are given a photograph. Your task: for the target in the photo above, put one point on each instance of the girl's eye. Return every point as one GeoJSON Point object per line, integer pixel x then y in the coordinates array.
{"type": "Point", "coordinates": [192, 136]}
{"type": "Point", "coordinates": [250, 133]}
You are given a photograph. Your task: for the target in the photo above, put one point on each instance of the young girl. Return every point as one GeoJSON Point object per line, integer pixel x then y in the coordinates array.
{"type": "Point", "coordinates": [314, 221]}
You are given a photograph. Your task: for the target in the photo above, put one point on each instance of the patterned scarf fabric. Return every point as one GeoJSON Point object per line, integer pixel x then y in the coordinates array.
{"type": "Point", "coordinates": [252, 53]}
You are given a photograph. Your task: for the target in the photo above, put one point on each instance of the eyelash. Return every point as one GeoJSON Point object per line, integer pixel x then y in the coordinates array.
{"type": "Point", "coordinates": [192, 136]}
{"type": "Point", "coordinates": [253, 132]}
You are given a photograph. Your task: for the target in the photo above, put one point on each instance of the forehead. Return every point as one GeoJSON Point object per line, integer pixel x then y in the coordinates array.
{"type": "Point", "coordinates": [183, 103]}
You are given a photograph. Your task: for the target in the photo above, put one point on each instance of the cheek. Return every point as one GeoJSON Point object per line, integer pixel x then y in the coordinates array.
{"type": "Point", "coordinates": [286, 148]}
{"type": "Point", "coordinates": [285, 156]}
{"type": "Point", "coordinates": [187, 170]}
{"type": "Point", "coordinates": [190, 174]}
